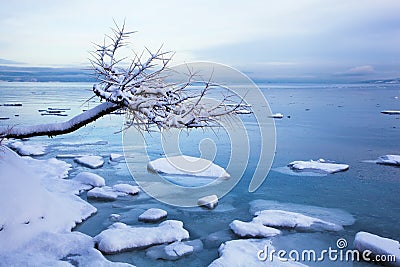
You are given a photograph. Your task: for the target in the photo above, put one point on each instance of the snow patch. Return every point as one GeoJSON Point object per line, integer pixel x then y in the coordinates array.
{"type": "Point", "coordinates": [25, 149]}
{"type": "Point", "coordinates": [252, 229]}
{"type": "Point", "coordinates": [131, 237]}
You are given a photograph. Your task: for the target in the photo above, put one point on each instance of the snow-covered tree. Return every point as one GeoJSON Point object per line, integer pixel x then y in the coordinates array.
{"type": "Point", "coordinates": [141, 87]}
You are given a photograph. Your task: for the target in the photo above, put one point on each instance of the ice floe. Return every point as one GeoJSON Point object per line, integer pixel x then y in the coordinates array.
{"type": "Point", "coordinates": [93, 162]}
{"type": "Point", "coordinates": [126, 188]}
{"type": "Point", "coordinates": [248, 252]}
{"type": "Point", "coordinates": [131, 237]}
{"type": "Point", "coordinates": [389, 160]}
{"type": "Point", "coordinates": [391, 112]}
{"type": "Point", "coordinates": [320, 165]}
{"type": "Point", "coordinates": [276, 116]}
{"type": "Point", "coordinates": [114, 217]}
{"type": "Point", "coordinates": [91, 179]}
{"type": "Point", "coordinates": [116, 157]}
{"type": "Point", "coordinates": [25, 149]}
{"type": "Point", "coordinates": [186, 165]}
{"type": "Point", "coordinates": [103, 193]}
{"type": "Point", "coordinates": [378, 246]}
{"type": "Point", "coordinates": [153, 215]}
{"type": "Point", "coordinates": [175, 250]}
{"type": "Point", "coordinates": [252, 229]}
{"type": "Point", "coordinates": [209, 202]}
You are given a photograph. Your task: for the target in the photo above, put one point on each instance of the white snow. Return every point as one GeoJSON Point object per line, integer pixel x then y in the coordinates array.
{"type": "Point", "coordinates": [336, 216]}
{"type": "Point", "coordinates": [93, 162]}
{"type": "Point", "coordinates": [89, 178]}
{"type": "Point", "coordinates": [120, 239]}
{"type": "Point", "coordinates": [318, 166]}
{"type": "Point", "coordinates": [389, 160]}
{"type": "Point", "coordinates": [25, 149]}
{"type": "Point", "coordinates": [127, 189]}
{"type": "Point", "coordinates": [186, 165]}
{"type": "Point", "coordinates": [36, 225]}
{"type": "Point", "coordinates": [116, 157]}
{"type": "Point", "coordinates": [209, 202]}
{"type": "Point", "coordinates": [252, 229]}
{"type": "Point", "coordinates": [286, 219]}
{"type": "Point", "coordinates": [378, 246]}
{"type": "Point", "coordinates": [153, 215]}
{"type": "Point", "coordinates": [103, 193]}
{"type": "Point", "coordinates": [244, 252]}
{"type": "Point", "coordinates": [115, 217]}
{"type": "Point", "coordinates": [391, 112]}
{"type": "Point", "coordinates": [174, 251]}
{"type": "Point", "coordinates": [276, 116]}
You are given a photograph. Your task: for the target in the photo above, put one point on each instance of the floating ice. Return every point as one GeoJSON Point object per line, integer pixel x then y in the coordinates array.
{"type": "Point", "coordinates": [90, 179]}
{"type": "Point", "coordinates": [93, 162]}
{"type": "Point", "coordinates": [25, 149]}
{"type": "Point", "coordinates": [127, 189]}
{"type": "Point", "coordinates": [120, 239]}
{"type": "Point", "coordinates": [116, 157]}
{"type": "Point", "coordinates": [103, 193]}
{"type": "Point", "coordinates": [115, 217]}
{"type": "Point", "coordinates": [245, 252]}
{"type": "Point", "coordinates": [389, 160]}
{"type": "Point", "coordinates": [391, 112]}
{"type": "Point", "coordinates": [153, 215]}
{"type": "Point", "coordinates": [276, 116]}
{"type": "Point", "coordinates": [174, 251]}
{"type": "Point", "coordinates": [378, 246]}
{"type": "Point", "coordinates": [209, 202]}
{"type": "Point", "coordinates": [252, 229]}
{"type": "Point", "coordinates": [186, 165]}
{"type": "Point", "coordinates": [318, 166]}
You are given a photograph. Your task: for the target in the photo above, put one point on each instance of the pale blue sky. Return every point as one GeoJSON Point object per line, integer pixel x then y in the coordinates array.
{"type": "Point", "coordinates": [270, 39]}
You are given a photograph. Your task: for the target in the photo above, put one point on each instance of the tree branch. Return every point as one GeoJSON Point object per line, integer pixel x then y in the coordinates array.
{"type": "Point", "coordinates": [53, 129]}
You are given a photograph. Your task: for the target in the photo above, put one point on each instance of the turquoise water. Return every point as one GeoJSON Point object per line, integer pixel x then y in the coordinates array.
{"type": "Point", "coordinates": [336, 122]}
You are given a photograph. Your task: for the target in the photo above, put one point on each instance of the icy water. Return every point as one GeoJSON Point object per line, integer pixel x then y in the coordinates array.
{"type": "Point", "coordinates": [335, 122]}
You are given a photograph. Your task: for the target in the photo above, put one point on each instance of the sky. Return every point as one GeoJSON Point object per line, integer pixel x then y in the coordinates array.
{"type": "Point", "coordinates": [286, 39]}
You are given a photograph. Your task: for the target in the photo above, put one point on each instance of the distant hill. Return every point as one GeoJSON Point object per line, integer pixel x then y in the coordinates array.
{"type": "Point", "coordinates": [44, 74]}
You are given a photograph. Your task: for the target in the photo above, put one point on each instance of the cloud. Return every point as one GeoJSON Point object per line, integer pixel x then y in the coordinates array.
{"type": "Point", "coordinates": [359, 71]}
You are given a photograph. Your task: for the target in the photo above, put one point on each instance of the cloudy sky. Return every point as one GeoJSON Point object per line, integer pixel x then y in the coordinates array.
{"type": "Point", "coordinates": [286, 39]}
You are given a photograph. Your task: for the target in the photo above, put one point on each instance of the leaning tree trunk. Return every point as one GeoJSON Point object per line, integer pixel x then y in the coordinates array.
{"type": "Point", "coordinates": [53, 129]}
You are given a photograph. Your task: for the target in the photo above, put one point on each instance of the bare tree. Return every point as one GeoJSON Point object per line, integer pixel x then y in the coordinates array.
{"type": "Point", "coordinates": [140, 87]}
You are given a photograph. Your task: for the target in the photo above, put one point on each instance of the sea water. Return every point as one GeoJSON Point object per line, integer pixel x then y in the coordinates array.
{"type": "Point", "coordinates": [339, 122]}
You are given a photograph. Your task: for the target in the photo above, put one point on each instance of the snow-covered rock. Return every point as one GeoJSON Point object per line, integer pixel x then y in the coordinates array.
{"type": "Point", "coordinates": [173, 251]}
{"type": "Point", "coordinates": [25, 149]}
{"type": "Point", "coordinates": [287, 219]}
{"type": "Point", "coordinates": [391, 112]}
{"type": "Point", "coordinates": [103, 193]}
{"type": "Point", "coordinates": [389, 160]}
{"type": "Point", "coordinates": [276, 116]}
{"type": "Point", "coordinates": [35, 209]}
{"type": "Point", "coordinates": [116, 157]}
{"type": "Point", "coordinates": [209, 202]}
{"type": "Point", "coordinates": [93, 162]}
{"type": "Point", "coordinates": [245, 252]}
{"type": "Point", "coordinates": [127, 189]}
{"type": "Point", "coordinates": [120, 239]}
{"type": "Point", "coordinates": [378, 246]}
{"type": "Point", "coordinates": [252, 229]}
{"type": "Point", "coordinates": [186, 165]}
{"type": "Point", "coordinates": [153, 215]}
{"type": "Point", "coordinates": [91, 179]}
{"type": "Point", "coordinates": [318, 166]}
{"type": "Point", "coordinates": [336, 216]}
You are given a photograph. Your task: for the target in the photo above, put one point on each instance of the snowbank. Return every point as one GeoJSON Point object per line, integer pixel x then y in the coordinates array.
{"type": "Point", "coordinates": [318, 166]}
{"type": "Point", "coordinates": [25, 149]}
{"type": "Point", "coordinates": [389, 160]}
{"type": "Point", "coordinates": [252, 229]}
{"type": "Point", "coordinates": [93, 162]}
{"type": "Point", "coordinates": [36, 224]}
{"type": "Point", "coordinates": [244, 252]}
{"type": "Point", "coordinates": [186, 165]}
{"type": "Point", "coordinates": [130, 237]}
{"type": "Point", "coordinates": [91, 179]}
{"type": "Point", "coordinates": [378, 246]}
{"type": "Point", "coordinates": [153, 215]}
